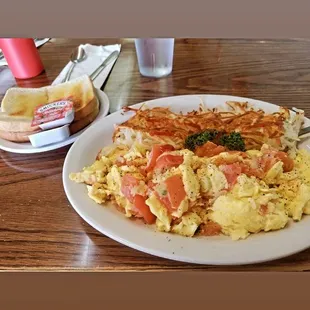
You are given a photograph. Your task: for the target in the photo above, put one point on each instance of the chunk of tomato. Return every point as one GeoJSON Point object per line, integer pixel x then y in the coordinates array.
{"type": "Point", "coordinates": [156, 151]}
{"type": "Point", "coordinates": [231, 172]}
{"type": "Point", "coordinates": [128, 183]}
{"type": "Point", "coordinates": [288, 163]}
{"type": "Point", "coordinates": [143, 208]}
{"type": "Point", "coordinates": [176, 191]}
{"type": "Point", "coordinates": [209, 149]}
{"type": "Point", "coordinates": [165, 201]}
{"type": "Point", "coordinates": [167, 161]}
{"type": "Point", "coordinates": [272, 156]}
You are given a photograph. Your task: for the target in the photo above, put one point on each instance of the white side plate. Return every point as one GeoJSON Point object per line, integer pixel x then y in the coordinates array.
{"type": "Point", "coordinates": [27, 148]}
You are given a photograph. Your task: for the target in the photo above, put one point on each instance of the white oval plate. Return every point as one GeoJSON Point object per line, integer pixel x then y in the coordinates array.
{"type": "Point", "coordinates": [27, 148]}
{"type": "Point", "coordinates": [219, 250]}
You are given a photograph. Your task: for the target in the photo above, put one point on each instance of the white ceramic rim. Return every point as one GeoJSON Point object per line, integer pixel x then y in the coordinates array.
{"type": "Point", "coordinates": [220, 250]}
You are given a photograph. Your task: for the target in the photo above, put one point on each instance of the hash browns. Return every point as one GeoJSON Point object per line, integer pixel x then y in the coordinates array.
{"type": "Point", "coordinates": [255, 126]}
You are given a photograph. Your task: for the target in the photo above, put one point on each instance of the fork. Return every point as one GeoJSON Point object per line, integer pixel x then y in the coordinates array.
{"type": "Point", "coordinates": [304, 131]}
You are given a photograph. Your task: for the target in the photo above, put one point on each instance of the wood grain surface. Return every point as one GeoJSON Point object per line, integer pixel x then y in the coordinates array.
{"type": "Point", "coordinates": [38, 227]}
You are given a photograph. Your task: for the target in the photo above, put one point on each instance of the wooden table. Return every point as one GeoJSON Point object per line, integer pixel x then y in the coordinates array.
{"type": "Point", "coordinates": [38, 227]}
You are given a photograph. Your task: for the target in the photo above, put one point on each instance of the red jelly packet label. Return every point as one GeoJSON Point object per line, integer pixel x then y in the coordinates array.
{"type": "Point", "coordinates": [50, 112]}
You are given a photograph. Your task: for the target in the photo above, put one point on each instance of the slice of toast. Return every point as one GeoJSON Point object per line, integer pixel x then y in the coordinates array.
{"type": "Point", "coordinates": [16, 124]}
{"type": "Point", "coordinates": [80, 90]}
{"type": "Point", "coordinates": [18, 104]}
{"type": "Point", "coordinates": [82, 123]}
{"type": "Point", "coordinates": [17, 136]}
{"type": "Point", "coordinates": [74, 127]}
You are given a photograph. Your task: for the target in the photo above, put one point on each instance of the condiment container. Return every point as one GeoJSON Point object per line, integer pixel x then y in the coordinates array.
{"type": "Point", "coordinates": [50, 136]}
{"type": "Point", "coordinates": [54, 119]}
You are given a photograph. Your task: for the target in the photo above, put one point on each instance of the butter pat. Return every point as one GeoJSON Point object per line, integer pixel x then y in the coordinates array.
{"type": "Point", "coordinates": [50, 136]}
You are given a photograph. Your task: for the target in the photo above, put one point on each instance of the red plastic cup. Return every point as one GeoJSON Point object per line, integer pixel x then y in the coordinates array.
{"type": "Point", "coordinates": [22, 57]}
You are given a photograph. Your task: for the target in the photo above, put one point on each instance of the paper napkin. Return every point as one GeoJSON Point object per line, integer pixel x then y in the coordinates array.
{"type": "Point", "coordinates": [95, 55]}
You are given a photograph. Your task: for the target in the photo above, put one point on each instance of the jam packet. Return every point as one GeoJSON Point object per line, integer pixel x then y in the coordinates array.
{"type": "Point", "coordinates": [54, 114]}
{"type": "Point", "coordinates": [54, 119]}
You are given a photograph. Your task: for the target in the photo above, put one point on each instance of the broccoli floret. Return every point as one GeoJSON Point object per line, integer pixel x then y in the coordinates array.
{"type": "Point", "coordinates": [197, 139]}
{"type": "Point", "coordinates": [233, 141]}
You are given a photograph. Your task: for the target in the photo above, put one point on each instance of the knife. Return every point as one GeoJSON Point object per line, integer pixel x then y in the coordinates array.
{"type": "Point", "coordinates": [111, 57]}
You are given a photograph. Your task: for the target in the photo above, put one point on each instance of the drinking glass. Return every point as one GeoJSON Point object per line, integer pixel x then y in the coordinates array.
{"type": "Point", "coordinates": [155, 56]}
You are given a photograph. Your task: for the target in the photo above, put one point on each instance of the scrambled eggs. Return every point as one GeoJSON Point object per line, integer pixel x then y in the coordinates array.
{"type": "Point", "coordinates": [239, 193]}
